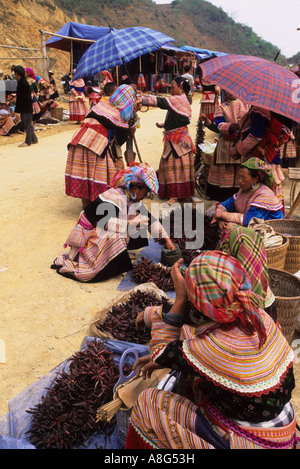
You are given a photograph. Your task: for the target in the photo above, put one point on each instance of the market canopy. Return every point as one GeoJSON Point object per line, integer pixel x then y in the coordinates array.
{"type": "Point", "coordinates": [203, 53]}
{"type": "Point", "coordinates": [78, 32]}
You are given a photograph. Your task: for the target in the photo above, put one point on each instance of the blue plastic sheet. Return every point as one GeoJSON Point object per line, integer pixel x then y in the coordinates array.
{"type": "Point", "coordinates": [15, 424]}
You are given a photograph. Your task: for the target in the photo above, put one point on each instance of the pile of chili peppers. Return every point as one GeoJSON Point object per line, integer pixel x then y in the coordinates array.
{"type": "Point", "coordinates": [145, 271]}
{"type": "Point", "coordinates": [120, 320]}
{"type": "Point", "coordinates": [66, 416]}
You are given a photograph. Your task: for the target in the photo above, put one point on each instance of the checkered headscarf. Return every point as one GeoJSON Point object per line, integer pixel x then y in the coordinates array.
{"type": "Point", "coordinates": [122, 99]}
{"type": "Point", "coordinates": [219, 287]}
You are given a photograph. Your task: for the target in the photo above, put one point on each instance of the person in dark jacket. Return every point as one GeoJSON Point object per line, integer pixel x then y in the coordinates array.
{"type": "Point", "coordinates": [24, 106]}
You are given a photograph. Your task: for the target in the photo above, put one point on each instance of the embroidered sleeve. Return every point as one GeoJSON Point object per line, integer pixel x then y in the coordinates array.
{"type": "Point", "coordinates": [257, 128]}
{"type": "Point", "coordinates": [228, 205]}
{"type": "Point", "coordinates": [233, 217]}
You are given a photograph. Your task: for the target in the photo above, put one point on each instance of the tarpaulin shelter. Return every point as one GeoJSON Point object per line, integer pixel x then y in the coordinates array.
{"type": "Point", "coordinates": [203, 54]}
{"type": "Point", "coordinates": [76, 38]}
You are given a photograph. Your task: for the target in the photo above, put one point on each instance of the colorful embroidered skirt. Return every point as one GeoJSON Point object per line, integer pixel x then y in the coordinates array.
{"type": "Point", "coordinates": [87, 174]}
{"type": "Point", "coordinates": [8, 123]}
{"type": "Point", "coordinates": [77, 110]}
{"type": "Point", "coordinates": [164, 420]}
{"type": "Point", "coordinates": [208, 109]}
{"type": "Point", "coordinates": [100, 249]}
{"type": "Point", "coordinates": [176, 177]}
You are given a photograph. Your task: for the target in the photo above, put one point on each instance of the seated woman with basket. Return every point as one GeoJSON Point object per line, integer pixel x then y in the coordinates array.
{"type": "Point", "coordinates": [255, 198]}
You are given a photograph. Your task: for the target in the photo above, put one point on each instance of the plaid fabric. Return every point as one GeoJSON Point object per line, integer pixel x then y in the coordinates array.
{"type": "Point", "coordinates": [248, 248]}
{"type": "Point", "coordinates": [119, 46]}
{"type": "Point", "coordinates": [220, 288]}
{"type": "Point", "coordinates": [122, 99]}
{"type": "Point", "coordinates": [110, 112]}
{"type": "Point", "coordinates": [285, 417]}
{"type": "Point", "coordinates": [255, 81]}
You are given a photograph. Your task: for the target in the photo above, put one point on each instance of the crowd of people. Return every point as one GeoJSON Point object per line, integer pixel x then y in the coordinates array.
{"type": "Point", "coordinates": [235, 370]}
{"type": "Point", "coordinates": [33, 98]}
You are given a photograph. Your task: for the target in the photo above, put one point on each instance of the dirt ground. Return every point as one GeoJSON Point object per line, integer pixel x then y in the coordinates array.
{"type": "Point", "coordinates": [44, 317]}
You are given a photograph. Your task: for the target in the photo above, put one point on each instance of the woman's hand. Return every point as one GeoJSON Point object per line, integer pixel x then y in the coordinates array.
{"type": "Point", "coordinates": [170, 245]}
{"type": "Point", "coordinates": [160, 126]}
{"type": "Point", "coordinates": [233, 152]}
{"type": "Point", "coordinates": [138, 104]}
{"type": "Point", "coordinates": [233, 128]}
{"type": "Point", "coordinates": [139, 321]}
{"type": "Point", "coordinates": [146, 365]}
{"type": "Point", "coordinates": [205, 119]}
{"type": "Point", "coordinates": [179, 286]}
{"type": "Point", "coordinates": [222, 224]}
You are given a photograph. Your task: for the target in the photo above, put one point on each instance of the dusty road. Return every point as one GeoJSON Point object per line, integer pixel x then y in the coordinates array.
{"type": "Point", "coordinates": [44, 317]}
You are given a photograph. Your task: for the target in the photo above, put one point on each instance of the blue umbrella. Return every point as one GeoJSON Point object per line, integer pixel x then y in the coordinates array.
{"type": "Point", "coordinates": [119, 46]}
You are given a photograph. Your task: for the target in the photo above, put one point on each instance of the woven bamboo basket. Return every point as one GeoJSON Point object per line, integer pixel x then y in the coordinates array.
{"type": "Point", "coordinates": [276, 256]}
{"type": "Point", "coordinates": [291, 229]}
{"type": "Point", "coordinates": [57, 113]}
{"type": "Point", "coordinates": [286, 288]}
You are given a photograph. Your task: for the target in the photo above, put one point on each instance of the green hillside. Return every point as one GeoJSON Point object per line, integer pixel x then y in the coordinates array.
{"type": "Point", "coordinates": [194, 22]}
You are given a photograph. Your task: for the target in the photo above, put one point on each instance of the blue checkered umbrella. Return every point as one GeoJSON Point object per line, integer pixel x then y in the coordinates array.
{"type": "Point", "coordinates": [119, 46]}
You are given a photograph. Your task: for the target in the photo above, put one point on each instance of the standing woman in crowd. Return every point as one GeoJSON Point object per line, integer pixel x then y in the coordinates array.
{"type": "Point", "coordinates": [24, 106]}
{"type": "Point", "coordinates": [91, 163]}
{"type": "Point", "coordinates": [176, 172]}
{"type": "Point", "coordinates": [264, 133]}
{"type": "Point", "coordinates": [222, 181]}
{"type": "Point", "coordinates": [210, 100]}
{"type": "Point", "coordinates": [78, 107]}
{"type": "Point", "coordinates": [31, 78]}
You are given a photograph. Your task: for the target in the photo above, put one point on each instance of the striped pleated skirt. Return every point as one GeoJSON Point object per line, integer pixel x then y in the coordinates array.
{"type": "Point", "coordinates": [77, 110]}
{"type": "Point", "coordinates": [176, 176]}
{"type": "Point", "coordinates": [87, 174]}
{"type": "Point", "coordinates": [100, 250]}
{"type": "Point", "coordinates": [165, 420]}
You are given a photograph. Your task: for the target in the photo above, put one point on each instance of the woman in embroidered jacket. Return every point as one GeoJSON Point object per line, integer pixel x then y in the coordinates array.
{"type": "Point", "coordinates": [112, 224]}
{"type": "Point", "coordinates": [210, 100]}
{"type": "Point", "coordinates": [77, 107]}
{"type": "Point", "coordinates": [222, 181]}
{"type": "Point", "coordinates": [256, 197]}
{"type": "Point", "coordinates": [176, 174]}
{"type": "Point", "coordinates": [239, 362]}
{"type": "Point", "coordinates": [263, 135]}
{"type": "Point", "coordinates": [91, 162]}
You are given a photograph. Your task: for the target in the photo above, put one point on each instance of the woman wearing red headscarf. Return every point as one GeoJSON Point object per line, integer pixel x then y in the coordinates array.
{"type": "Point", "coordinates": [238, 362]}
